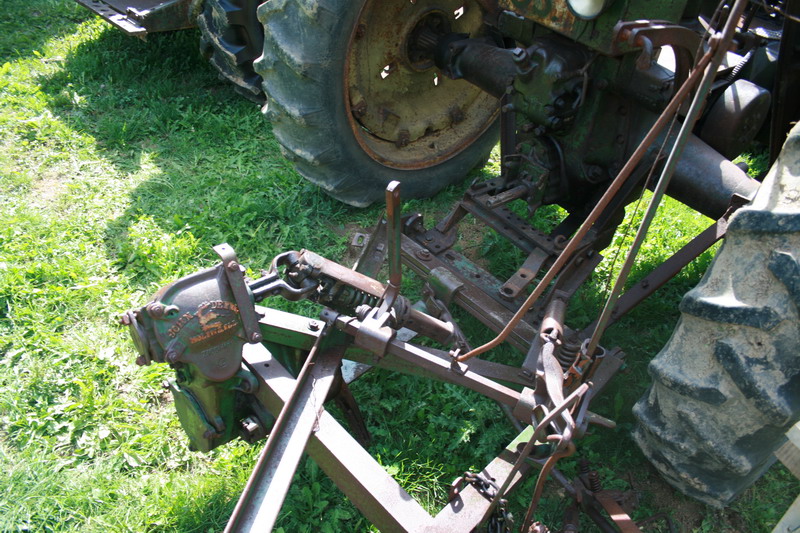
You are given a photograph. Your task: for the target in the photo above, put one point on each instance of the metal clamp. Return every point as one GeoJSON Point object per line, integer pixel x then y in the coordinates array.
{"type": "Point", "coordinates": [235, 274]}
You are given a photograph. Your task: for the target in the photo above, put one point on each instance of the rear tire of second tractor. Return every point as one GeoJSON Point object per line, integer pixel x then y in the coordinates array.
{"type": "Point", "coordinates": [726, 387]}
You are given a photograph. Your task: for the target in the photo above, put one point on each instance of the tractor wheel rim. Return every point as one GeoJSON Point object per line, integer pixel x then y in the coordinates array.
{"type": "Point", "coordinates": [404, 113]}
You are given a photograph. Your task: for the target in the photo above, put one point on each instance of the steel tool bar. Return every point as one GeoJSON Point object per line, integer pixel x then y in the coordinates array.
{"type": "Point", "coordinates": [434, 366]}
{"type": "Point", "coordinates": [598, 209]}
{"type": "Point", "coordinates": [719, 48]}
{"type": "Point", "coordinates": [263, 496]}
{"type": "Point", "coordinates": [470, 508]}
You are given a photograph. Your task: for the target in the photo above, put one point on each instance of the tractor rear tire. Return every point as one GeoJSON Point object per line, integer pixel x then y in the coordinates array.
{"type": "Point", "coordinates": [726, 387]}
{"type": "Point", "coordinates": [231, 38]}
{"type": "Point", "coordinates": [352, 120]}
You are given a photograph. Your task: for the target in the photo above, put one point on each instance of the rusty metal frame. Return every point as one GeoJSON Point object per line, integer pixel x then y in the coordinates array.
{"type": "Point", "coordinates": [377, 495]}
{"type": "Point", "coordinates": [548, 408]}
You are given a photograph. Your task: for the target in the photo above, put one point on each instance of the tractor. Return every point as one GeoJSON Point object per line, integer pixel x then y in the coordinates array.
{"type": "Point", "coordinates": [593, 102]}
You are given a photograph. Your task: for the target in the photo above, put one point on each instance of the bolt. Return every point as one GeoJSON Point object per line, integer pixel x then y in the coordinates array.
{"type": "Point", "coordinates": [233, 266]}
{"type": "Point", "coordinates": [620, 139]}
{"type": "Point", "coordinates": [313, 325]}
{"type": "Point", "coordinates": [403, 138]}
{"type": "Point", "coordinates": [361, 30]}
{"type": "Point", "coordinates": [171, 356]}
{"type": "Point", "coordinates": [360, 109]}
{"type": "Point", "coordinates": [456, 115]}
{"type": "Point", "coordinates": [125, 320]}
{"type": "Point", "coordinates": [255, 337]}
{"type": "Point", "coordinates": [507, 108]}
{"type": "Point", "coordinates": [250, 428]}
{"type": "Point", "coordinates": [425, 255]}
{"type": "Point", "coordinates": [155, 310]}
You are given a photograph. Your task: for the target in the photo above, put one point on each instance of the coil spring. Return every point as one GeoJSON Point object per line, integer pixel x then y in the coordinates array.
{"type": "Point", "coordinates": [350, 298]}
{"type": "Point", "coordinates": [567, 354]}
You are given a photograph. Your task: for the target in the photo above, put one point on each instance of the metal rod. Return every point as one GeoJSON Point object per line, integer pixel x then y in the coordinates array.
{"type": "Point", "coordinates": [613, 189]}
{"type": "Point", "coordinates": [719, 47]}
{"type": "Point", "coordinates": [263, 496]}
{"type": "Point", "coordinates": [394, 232]}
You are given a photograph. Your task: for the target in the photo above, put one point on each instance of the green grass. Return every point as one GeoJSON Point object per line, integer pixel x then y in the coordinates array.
{"type": "Point", "coordinates": [121, 164]}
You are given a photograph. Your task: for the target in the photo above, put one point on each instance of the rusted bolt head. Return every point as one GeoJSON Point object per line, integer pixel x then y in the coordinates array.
{"type": "Point", "coordinates": [360, 109]}
{"type": "Point", "coordinates": [425, 255]}
{"type": "Point", "coordinates": [313, 325]}
{"type": "Point", "coordinates": [255, 337]}
{"type": "Point", "coordinates": [171, 356]}
{"type": "Point", "coordinates": [233, 266]}
{"type": "Point", "coordinates": [456, 115]}
{"type": "Point", "coordinates": [403, 138]}
{"type": "Point", "coordinates": [361, 30]}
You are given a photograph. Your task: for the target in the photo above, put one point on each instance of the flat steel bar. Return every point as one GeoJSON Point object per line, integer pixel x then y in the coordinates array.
{"type": "Point", "coordinates": [376, 494]}
{"type": "Point", "coordinates": [263, 496]}
{"type": "Point", "coordinates": [394, 231]}
{"type": "Point", "coordinates": [663, 273]}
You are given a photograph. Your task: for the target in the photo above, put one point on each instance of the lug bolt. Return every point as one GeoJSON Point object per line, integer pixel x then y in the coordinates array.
{"type": "Point", "coordinates": [403, 138]}
{"type": "Point", "coordinates": [361, 30]}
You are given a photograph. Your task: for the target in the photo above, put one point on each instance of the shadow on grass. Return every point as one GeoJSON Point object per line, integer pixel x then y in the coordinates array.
{"type": "Point", "coordinates": [31, 23]}
{"type": "Point", "coordinates": [206, 164]}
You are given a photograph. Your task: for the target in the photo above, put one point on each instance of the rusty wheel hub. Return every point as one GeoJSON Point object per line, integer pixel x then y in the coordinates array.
{"type": "Point", "coordinates": [404, 113]}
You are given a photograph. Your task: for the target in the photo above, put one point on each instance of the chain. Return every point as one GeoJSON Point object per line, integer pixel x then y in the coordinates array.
{"type": "Point", "coordinates": [500, 521]}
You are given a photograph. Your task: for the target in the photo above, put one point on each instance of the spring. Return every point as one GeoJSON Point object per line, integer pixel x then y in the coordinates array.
{"type": "Point", "coordinates": [594, 481]}
{"type": "Point", "coordinates": [567, 354]}
{"type": "Point", "coordinates": [347, 297]}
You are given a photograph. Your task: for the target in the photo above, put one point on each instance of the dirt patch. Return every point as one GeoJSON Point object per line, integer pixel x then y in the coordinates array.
{"type": "Point", "coordinates": [49, 186]}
